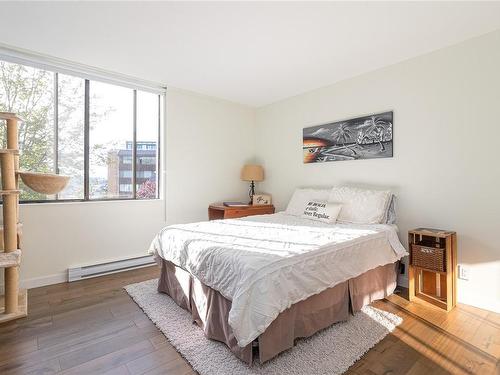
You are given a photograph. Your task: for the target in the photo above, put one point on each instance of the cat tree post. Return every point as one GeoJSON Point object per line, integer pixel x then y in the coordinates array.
{"type": "Point", "coordinates": [10, 164]}
{"type": "Point", "coordinates": [10, 230]}
{"type": "Point", "coordinates": [13, 144]}
{"type": "Point", "coordinates": [15, 300]}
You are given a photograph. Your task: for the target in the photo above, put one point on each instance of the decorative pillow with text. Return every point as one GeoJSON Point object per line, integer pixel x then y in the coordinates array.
{"type": "Point", "coordinates": [326, 212]}
{"type": "Point", "coordinates": [302, 196]}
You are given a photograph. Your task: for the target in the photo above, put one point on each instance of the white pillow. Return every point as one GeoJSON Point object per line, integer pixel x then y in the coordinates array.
{"type": "Point", "coordinates": [302, 196]}
{"type": "Point", "coordinates": [361, 206]}
{"type": "Point", "coordinates": [326, 212]}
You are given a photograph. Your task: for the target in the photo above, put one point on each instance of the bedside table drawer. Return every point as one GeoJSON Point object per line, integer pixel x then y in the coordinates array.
{"type": "Point", "coordinates": [233, 214]}
{"type": "Point", "coordinates": [266, 211]}
{"type": "Point", "coordinates": [218, 211]}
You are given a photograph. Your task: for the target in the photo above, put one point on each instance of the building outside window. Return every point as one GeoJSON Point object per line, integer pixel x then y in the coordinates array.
{"type": "Point", "coordinates": [120, 171]}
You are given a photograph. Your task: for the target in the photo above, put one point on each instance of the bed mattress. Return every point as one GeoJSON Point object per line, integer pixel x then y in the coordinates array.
{"type": "Point", "coordinates": [264, 264]}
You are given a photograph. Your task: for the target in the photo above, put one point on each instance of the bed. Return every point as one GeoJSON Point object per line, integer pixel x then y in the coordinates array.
{"type": "Point", "coordinates": [259, 283]}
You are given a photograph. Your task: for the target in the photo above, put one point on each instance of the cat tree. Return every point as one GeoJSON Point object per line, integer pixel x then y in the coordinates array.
{"type": "Point", "coordinates": [14, 303]}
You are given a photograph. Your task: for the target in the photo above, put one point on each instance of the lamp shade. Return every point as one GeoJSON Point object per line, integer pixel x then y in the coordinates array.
{"type": "Point", "coordinates": [252, 172]}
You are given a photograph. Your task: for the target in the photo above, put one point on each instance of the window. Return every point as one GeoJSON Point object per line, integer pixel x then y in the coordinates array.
{"type": "Point", "coordinates": [125, 188]}
{"type": "Point", "coordinates": [146, 160]}
{"type": "Point", "coordinates": [148, 112]}
{"type": "Point", "coordinates": [145, 174]}
{"type": "Point", "coordinates": [70, 131]}
{"type": "Point", "coordinates": [111, 129]}
{"type": "Point", "coordinates": [86, 129]}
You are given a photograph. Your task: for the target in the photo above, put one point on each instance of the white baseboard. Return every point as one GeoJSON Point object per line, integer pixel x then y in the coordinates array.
{"type": "Point", "coordinates": [36, 282]}
{"type": "Point", "coordinates": [115, 266]}
{"type": "Point", "coordinates": [481, 301]}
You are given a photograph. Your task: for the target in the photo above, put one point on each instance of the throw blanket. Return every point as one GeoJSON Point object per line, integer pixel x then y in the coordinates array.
{"type": "Point", "coordinates": [266, 263]}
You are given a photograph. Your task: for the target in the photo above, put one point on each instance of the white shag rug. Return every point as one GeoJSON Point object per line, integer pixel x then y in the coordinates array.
{"type": "Point", "coordinates": [331, 351]}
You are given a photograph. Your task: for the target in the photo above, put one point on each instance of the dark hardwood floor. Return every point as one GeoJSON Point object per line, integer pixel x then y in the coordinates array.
{"type": "Point", "coordinates": [93, 327]}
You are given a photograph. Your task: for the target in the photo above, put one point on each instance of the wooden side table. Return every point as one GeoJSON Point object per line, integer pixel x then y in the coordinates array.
{"type": "Point", "coordinates": [432, 273]}
{"type": "Point", "coordinates": [218, 211]}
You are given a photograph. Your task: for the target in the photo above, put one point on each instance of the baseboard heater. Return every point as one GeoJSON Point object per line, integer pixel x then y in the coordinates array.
{"type": "Point", "coordinates": [87, 272]}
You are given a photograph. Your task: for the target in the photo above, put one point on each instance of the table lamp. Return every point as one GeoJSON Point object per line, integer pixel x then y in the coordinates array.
{"type": "Point", "coordinates": [252, 173]}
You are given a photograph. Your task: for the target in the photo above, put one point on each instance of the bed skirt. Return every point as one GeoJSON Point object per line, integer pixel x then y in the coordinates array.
{"type": "Point", "coordinates": [210, 310]}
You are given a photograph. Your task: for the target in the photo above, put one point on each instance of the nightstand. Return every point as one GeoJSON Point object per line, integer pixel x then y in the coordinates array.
{"type": "Point", "coordinates": [218, 211]}
{"type": "Point", "coordinates": [432, 273]}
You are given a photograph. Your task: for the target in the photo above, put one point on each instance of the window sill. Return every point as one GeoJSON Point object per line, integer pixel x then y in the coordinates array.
{"type": "Point", "coordinates": [81, 201]}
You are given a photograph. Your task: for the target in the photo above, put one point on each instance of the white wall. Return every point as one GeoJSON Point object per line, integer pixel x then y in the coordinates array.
{"type": "Point", "coordinates": [206, 143]}
{"type": "Point", "coordinates": [445, 168]}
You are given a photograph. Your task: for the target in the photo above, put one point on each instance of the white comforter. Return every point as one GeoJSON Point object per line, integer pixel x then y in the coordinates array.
{"type": "Point", "coordinates": [264, 264]}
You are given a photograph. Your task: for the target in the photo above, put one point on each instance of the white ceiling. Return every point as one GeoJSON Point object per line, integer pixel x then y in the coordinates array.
{"type": "Point", "coordinates": [251, 53]}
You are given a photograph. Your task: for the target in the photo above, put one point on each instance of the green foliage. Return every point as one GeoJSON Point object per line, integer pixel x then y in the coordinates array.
{"type": "Point", "coordinates": [29, 92]}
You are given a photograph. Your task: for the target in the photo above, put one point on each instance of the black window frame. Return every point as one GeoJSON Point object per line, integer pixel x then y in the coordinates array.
{"type": "Point", "coordinates": [86, 150]}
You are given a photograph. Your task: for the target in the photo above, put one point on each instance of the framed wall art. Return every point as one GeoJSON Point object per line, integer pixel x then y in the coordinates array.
{"type": "Point", "coordinates": [366, 137]}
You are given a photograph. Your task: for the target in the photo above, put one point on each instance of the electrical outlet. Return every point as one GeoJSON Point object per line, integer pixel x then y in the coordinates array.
{"type": "Point", "coordinates": [463, 272]}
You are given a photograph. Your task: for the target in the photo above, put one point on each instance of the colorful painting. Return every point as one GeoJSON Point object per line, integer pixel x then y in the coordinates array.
{"type": "Point", "coordinates": [366, 137]}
